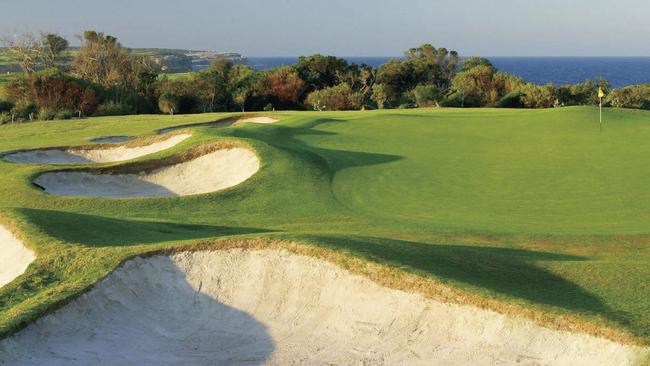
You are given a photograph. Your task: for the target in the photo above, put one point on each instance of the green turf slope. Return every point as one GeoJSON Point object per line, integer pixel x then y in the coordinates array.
{"type": "Point", "coordinates": [533, 207]}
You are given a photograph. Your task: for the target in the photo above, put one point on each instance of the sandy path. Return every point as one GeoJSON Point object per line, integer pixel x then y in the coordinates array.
{"type": "Point", "coordinates": [14, 257]}
{"type": "Point", "coordinates": [273, 307]}
{"type": "Point", "coordinates": [208, 173]}
{"type": "Point", "coordinates": [103, 155]}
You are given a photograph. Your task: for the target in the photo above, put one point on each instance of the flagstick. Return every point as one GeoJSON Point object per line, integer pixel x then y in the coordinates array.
{"type": "Point", "coordinates": [601, 114]}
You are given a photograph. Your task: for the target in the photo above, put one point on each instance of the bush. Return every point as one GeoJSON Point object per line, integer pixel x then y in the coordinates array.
{"type": "Point", "coordinates": [637, 96]}
{"type": "Point", "coordinates": [5, 106]}
{"type": "Point", "coordinates": [25, 111]}
{"type": "Point", "coordinates": [46, 114]}
{"type": "Point", "coordinates": [5, 117]}
{"type": "Point", "coordinates": [337, 98]}
{"type": "Point", "coordinates": [268, 107]}
{"type": "Point", "coordinates": [65, 114]}
{"type": "Point", "coordinates": [426, 95]}
{"type": "Point", "coordinates": [168, 103]}
{"type": "Point", "coordinates": [111, 108]}
{"type": "Point", "coordinates": [511, 100]}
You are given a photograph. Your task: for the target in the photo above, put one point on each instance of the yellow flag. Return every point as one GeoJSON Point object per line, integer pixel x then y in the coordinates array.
{"type": "Point", "coordinates": [601, 93]}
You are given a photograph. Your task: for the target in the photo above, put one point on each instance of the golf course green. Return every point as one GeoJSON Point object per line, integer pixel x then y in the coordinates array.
{"type": "Point", "coordinates": [534, 212]}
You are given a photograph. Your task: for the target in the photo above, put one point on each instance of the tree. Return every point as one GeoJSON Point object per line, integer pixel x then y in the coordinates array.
{"type": "Point", "coordinates": [318, 71]}
{"type": "Point", "coordinates": [284, 86]}
{"type": "Point", "coordinates": [102, 60]}
{"type": "Point", "coordinates": [168, 103]}
{"type": "Point", "coordinates": [26, 49]}
{"type": "Point", "coordinates": [240, 84]}
{"type": "Point", "coordinates": [379, 95]}
{"type": "Point", "coordinates": [482, 86]}
{"type": "Point", "coordinates": [53, 44]}
{"type": "Point", "coordinates": [474, 61]}
{"type": "Point", "coordinates": [432, 65]}
{"type": "Point", "coordinates": [396, 76]}
{"type": "Point", "coordinates": [214, 86]}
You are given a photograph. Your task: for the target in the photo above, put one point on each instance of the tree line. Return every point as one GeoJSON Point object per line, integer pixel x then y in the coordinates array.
{"type": "Point", "coordinates": [105, 78]}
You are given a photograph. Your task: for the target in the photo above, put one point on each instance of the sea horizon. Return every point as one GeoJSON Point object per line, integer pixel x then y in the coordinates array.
{"type": "Point", "coordinates": [619, 71]}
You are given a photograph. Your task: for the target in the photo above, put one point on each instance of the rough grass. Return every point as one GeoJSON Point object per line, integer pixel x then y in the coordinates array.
{"type": "Point", "coordinates": [527, 212]}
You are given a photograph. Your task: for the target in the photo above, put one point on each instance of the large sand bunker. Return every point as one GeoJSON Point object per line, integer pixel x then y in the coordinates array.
{"type": "Point", "coordinates": [273, 307]}
{"type": "Point", "coordinates": [208, 173]}
{"type": "Point", "coordinates": [93, 155]}
{"type": "Point", "coordinates": [14, 257]}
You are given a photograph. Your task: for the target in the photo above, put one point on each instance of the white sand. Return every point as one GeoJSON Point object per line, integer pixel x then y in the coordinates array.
{"type": "Point", "coordinates": [256, 120]}
{"type": "Point", "coordinates": [241, 307]}
{"type": "Point", "coordinates": [101, 155]}
{"type": "Point", "coordinates": [211, 172]}
{"type": "Point", "coordinates": [14, 257]}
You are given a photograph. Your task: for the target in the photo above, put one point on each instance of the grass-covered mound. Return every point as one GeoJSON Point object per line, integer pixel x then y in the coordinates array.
{"type": "Point", "coordinates": [533, 212]}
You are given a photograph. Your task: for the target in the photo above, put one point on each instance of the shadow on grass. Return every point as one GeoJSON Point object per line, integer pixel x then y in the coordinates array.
{"type": "Point", "coordinates": [101, 231]}
{"type": "Point", "coordinates": [504, 271]}
{"type": "Point", "coordinates": [286, 138]}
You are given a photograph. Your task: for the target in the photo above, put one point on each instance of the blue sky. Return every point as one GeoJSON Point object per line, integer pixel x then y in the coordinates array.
{"type": "Point", "coordinates": [351, 27]}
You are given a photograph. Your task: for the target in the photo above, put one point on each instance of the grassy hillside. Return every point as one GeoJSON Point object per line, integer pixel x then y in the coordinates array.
{"type": "Point", "coordinates": [534, 208]}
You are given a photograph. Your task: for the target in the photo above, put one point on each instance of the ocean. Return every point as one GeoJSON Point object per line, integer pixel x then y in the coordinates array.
{"type": "Point", "coordinates": [619, 71]}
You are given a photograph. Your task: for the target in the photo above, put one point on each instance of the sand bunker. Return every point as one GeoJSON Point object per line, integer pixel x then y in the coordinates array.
{"type": "Point", "coordinates": [223, 123]}
{"type": "Point", "coordinates": [14, 257]}
{"type": "Point", "coordinates": [208, 173]}
{"type": "Point", "coordinates": [256, 120]}
{"type": "Point", "coordinates": [99, 155]}
{"type": "Point", "coordinates": [273, 307]}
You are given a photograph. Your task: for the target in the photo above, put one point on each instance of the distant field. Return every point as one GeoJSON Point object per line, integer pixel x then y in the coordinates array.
{"type": "Point", "coordinates": [535, 208]}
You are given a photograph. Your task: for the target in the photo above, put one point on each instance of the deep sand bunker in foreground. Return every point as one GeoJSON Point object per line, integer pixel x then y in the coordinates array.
{"type": "Point", "coordinates": [273, 307]}
{"type": "Point", "coordinates": [14, 257]}
{"type": "Point", "coordinates": [211, 172]}
{"type": "Point", "coordinates": [93, 155]}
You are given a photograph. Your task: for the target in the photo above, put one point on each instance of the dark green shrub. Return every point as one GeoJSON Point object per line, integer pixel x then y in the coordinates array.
{"type": "Point", "coordinates": [113, 109]}
{"type": "Point", "coordinates": [25, 111]}
{"type": "Point", "coordinates": [5, 106]}
{"type": "Point", "coordinates": [64, 114]}
{"type": "Point", "coordinates": [511, 100]}
{"type": "Point", "coordinates": [426, 95]}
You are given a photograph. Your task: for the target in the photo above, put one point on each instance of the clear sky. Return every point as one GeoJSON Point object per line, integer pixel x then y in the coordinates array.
{"type": "Point", "coordinates": [350, 27]}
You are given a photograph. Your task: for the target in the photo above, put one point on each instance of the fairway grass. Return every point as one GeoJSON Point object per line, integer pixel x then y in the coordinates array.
{"type": "Point", "coordinates": [530, 212]}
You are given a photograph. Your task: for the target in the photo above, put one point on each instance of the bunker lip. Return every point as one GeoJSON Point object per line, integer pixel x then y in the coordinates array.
{"type": "Point", "coordinates": [99, 153]}
{"type": "Point", "coordinates": [225, 122]}
{"type": "Point", "coordinates": [274, 306]}
{"type": "Point", "coordinates": [111, 139]}
{"type": "Point", "coordinates": [14, 256]}
{"type": "Point", "coordinates": [203, 169]}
